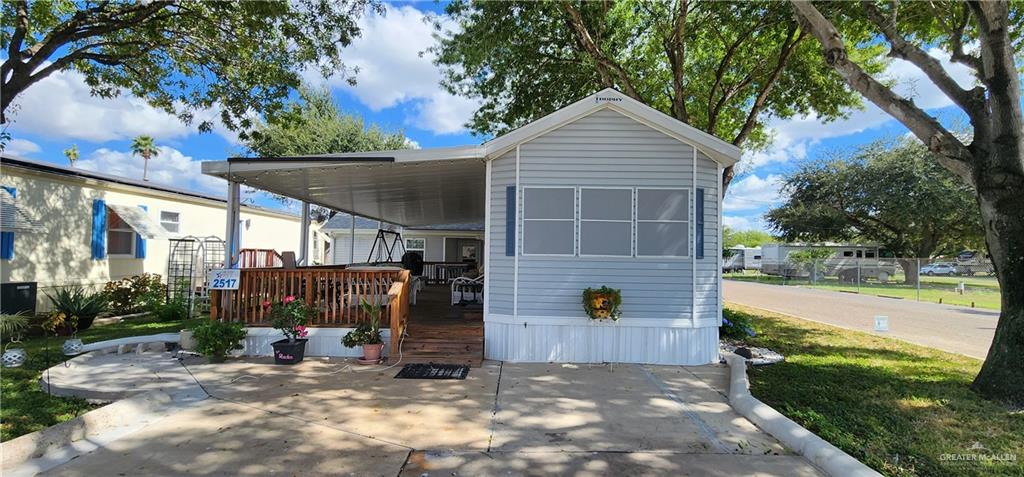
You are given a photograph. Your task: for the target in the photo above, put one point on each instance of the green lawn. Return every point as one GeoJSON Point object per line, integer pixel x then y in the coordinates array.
{"type": "Point", "coordinates": [895, 406]}
{"type": "Point", "coordinates": [983, 292]}
{"type": "Point", "coordinates": [27, 408]}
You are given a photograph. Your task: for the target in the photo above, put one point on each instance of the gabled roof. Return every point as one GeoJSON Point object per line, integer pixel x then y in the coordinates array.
{"type": "Point", "coordinates": [717, 149]}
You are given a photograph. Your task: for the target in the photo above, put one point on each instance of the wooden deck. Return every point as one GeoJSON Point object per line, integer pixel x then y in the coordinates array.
{"type": "Point", "coordinates": [441, 333]}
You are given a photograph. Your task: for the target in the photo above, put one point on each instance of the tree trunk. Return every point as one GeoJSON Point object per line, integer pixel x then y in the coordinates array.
{"type": "Point", "coordinates": [911, 270]}
{"type": "Point", "coordinates": [1001, 199]}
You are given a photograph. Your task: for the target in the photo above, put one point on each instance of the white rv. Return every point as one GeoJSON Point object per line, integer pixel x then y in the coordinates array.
{"type": "Point", "coordinates": [742, 258]}
{"type": "Point", "coordinates": [848, 262]}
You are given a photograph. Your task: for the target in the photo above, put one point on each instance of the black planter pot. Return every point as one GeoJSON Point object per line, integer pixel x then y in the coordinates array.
{"type": "Point", "coordinates": [286, 352]}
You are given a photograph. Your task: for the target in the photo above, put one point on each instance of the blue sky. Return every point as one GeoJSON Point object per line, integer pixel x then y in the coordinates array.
{"type": "Point", "coordinates": [397, 89]}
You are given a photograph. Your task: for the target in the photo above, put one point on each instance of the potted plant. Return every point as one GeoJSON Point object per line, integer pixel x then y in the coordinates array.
{"type": "Point", "coordinates": [367, 335]}
{"type": "Point", "coordinates": [11, 327]}
{"type": "Point", "coordinates": [78, 303]}
{"type": "Point", "coordinates": [602, 303]}
{"type": "Point", "coordinates": [215, 339]}
{"type": "Point", "coordinates": [289, 316]}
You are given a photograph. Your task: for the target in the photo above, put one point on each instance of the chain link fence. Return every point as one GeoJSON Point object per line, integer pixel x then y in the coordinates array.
{"type": "Point", "coordinates": [969, 283]}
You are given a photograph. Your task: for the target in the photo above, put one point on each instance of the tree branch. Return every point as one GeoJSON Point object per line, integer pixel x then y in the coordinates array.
{"type": "Point", "coordinates": [972, 102]}
{"type": "Point", "coordinates": [954, 155]}
{"type": "Point", "coordinates": [788, 47]}
{"type": "Point", "coordinates": [1003, 84]}
{"type": "Point", "coordinates": [958, 55]}
{"type": "Point", "coordinates": [591, 48]}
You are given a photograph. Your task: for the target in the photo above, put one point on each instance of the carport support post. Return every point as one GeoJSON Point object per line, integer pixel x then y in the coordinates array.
{"type": "Point", "coordinates": [304, 238]}
{"type": "Point", "coordinates": [231, 240]}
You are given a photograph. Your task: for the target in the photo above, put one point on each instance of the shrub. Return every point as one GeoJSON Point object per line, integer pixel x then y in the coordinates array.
{"type": "Point", "coordinates": [176, 309]}
{"type": "Point", "coordinates": [289, 316]}
{"type": "Point", "coordinates": [11, 326]}
{"type": "Point", "coordinates": [215, 338]}
{"type": "Point", "coordinates": [135, 294]}
{"type": "Point", "coordinates": [79, 306]}
{"type": "Point", "coordinates": [736, 325]}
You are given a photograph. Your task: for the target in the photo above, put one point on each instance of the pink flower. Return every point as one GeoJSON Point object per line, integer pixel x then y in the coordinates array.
{"type": "Point", "coordinates": [265, 304]}
{"type": "Point", "coordinates": [301, 331]}
{"type": "Point", "coordinates": [288, 299]}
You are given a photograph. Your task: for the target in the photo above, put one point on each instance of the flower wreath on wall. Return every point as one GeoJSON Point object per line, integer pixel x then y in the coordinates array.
{"type": "Point", "coordinates": [602, 303]}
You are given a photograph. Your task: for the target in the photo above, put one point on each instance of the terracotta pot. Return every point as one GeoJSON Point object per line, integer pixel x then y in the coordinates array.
{"type": "Point", "coordinates": [371, 352]}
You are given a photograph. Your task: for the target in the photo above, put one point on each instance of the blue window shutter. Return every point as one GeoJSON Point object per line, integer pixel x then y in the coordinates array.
{"type": "Point", "coordinates": [510, 221]}
{"type": "Point", "coordinates": [7, 238]}
{"type": "Point", "coordinates": [140, 243]}
{"type": "Point", "coordinates": [99, 229]}
{"type": "Point", "coordinates": [700, 223]}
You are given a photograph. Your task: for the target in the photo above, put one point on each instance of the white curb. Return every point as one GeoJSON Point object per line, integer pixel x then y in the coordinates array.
{"type": "Point", "coordinates": [826, 456]}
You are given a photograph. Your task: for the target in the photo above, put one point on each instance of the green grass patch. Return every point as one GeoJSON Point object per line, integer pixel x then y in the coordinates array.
{"type": "Point", "coordinates": [28, 408]}
{"type": "Point", "coordinates": [981, 292]}
{"type": "Point", "coordinates": [895, 406]}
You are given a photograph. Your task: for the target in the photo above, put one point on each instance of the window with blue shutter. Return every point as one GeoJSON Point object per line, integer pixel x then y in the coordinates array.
{"type": "Point", "coordinates": [700, 223]}
{"type": "Point", "coordinates": [140, 243]}
{"type": "Point", "coordinates": [99, 229]}
{"type": "Point", "coordinates": [510, 221]}
{"type": "Point", "coordinates": [7, 238]}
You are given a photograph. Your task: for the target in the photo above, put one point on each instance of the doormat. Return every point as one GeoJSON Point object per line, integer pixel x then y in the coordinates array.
{"type": "Point", "coordinates": [433, 371]}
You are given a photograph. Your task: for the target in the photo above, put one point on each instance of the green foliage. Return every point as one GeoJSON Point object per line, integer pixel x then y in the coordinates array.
{"type": "Point", "coordinates": [78, 307]}
{"type": "Point", "coordinates": [894, 193]}
{"type": "Point", "coordinates": [602, 303]}
{"type": "Point", "coordinates": [289, 316]}
{"type": "Point", "coordinates": [175, 309]}
{"type": "Point", "coordinates": [748, 238]}
{"type": "Point", "coordinates": [367, 332]}
{"type": "Point", "coordinates": [216, 338]}
{"type": "Point", "coordinates": [713, 66]}
{"type": "Point", "coordinates": [135, 294]}
{"type": "Point", "coordinates": [11, 326]}
{"type": "Point", "coordinates": [226, 61]}
{"type": "Point", "coordinates": [736, 326]}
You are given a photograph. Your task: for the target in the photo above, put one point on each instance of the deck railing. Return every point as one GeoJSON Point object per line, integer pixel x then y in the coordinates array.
{"type": "Point", "coordinates": [335, 294]}
{"type": "Point", "coordinates": [259, 258]}
{"type": "Point", "coordinates": [443, 272]}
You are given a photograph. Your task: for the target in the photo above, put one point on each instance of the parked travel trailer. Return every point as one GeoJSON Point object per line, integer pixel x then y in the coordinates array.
{"type": "Point", "coordinates": [973, 262]}
{"type": "Point", "coordinates": [848, 262]}
{"type": "Point", "coordinates": [742, 258]}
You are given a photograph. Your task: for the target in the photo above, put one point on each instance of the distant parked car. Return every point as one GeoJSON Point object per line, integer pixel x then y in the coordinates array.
{"type": "Point", "coordinates": [947, 269]}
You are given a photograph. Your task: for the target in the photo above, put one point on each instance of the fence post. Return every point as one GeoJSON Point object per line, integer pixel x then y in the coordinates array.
{"type": "Point", "coordinates": [858, 274]}
{"type": "Point", "coordinates": [917, 273]}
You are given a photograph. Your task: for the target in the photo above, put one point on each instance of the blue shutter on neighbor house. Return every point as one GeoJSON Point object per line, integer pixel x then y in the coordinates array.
{"type": "Point", "coordinates": [7, 238]}
{"type": "Point", "coordinates": [700, 223]}
{"type": "Point", "coordinates": [99, 229]}
{"type": "Point", "coordinates": [510, 221]}
{"type": "Point", "coordinates": [140, 243]}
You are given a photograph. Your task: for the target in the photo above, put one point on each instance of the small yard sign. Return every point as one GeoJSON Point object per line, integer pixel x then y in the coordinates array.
{"type": "Point", "coordinates": [881, 323]}
{"type": "Point", "coordinates": [224, 279]}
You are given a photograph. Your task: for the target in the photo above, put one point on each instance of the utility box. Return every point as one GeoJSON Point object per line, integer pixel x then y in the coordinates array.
{"type": "Point", "coordinates": [18, 297]}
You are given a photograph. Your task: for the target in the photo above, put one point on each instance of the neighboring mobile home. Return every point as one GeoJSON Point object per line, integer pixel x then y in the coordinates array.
{"type": "Point", "coordinates": [606, 191]}
{"type": "Point", "coordinates": [79, 237]}
{"type": "Point", "coordinates": [353, 243]}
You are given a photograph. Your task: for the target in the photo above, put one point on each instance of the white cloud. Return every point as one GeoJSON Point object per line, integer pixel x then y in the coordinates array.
{"type": "Point", "coordinates": [395, 69]}
{"type": "Point", "coordinates": [753, 193]}
{"type": "Point", "coordinates": [61, 107]}
{"type": "Point", "coordinates": [21, 147]}
{"type": "Point", "coordinates": [737, 222]}
{"type": "Point", "coordinates": [170, 167]}
{"type": "Point", "coordinates": [794, 136]}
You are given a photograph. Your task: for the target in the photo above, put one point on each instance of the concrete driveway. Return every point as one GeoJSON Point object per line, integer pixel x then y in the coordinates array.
{"type": "Point", "coordinates": [327, 417]}
{"type": "Point", "coordinates": [956, 329]}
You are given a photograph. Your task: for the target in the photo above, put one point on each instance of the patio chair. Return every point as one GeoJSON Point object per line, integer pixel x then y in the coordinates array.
{"type": "Point", "coordinates": [463, 287]}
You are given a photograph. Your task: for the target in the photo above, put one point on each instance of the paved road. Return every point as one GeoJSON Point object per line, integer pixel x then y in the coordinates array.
{"type": "Point", "coordinates": [956, 329]}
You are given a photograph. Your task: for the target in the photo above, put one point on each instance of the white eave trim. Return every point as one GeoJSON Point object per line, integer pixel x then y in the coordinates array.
{"type": "Point", "coordinates": [220, 168]}
{"type": "Point", "coordinates": [717, 149]}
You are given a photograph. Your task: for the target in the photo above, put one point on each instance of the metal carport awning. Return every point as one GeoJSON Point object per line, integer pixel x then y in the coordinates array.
{"type": "Point", "coordinates": [399, 187]}
{"type": "Point", "coordinates": [141, 223]}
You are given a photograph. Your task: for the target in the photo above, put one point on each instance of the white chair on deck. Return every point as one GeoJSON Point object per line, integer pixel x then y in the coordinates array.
{"type": "Point", "coordinates": [469, 290]}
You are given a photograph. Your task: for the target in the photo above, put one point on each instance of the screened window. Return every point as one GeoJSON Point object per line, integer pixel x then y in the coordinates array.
{"type": "Point", "coordinates": [417, 245]}
{"type": "Point", "coordinates": [606, 222]}
{"type": "Point", "coordinates": [171, 221]}
{"type": "Point", "coordinates": [662, 225]}
{"type": "Point", "coordinates": [549, 221]}
{"type": "Point", "coordinates": [120, 236]}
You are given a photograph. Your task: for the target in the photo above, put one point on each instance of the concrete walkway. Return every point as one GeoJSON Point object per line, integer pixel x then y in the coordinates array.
{"type": "Point", "coordinates": [322, 417]}
{"type": "Point", "coordinates": [956, 329]}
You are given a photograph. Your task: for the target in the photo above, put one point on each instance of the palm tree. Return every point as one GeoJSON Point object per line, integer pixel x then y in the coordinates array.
{"type": "Point", "coordinates": [143, 146]}
{"type": "Point", "coordinates": [72, 154]}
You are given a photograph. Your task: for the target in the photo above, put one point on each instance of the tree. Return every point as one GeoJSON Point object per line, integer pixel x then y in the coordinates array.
{"type": "Point", "coordinates": [72, 154]}
{"type": "Point", "coordinates": [313, 124]}
{"type": "Point", "coordinates": [747, 238]}
{"type": "Point", "coordinates": [722, 67]}
{"type": "Point", "coordinates": [893, 193]}
{"type": "Point", "coordinates": [179, 55]}
{"type": "Point", "coordinates": [143, 147]}
{"type": "Point", "coordinates": [985, 37]}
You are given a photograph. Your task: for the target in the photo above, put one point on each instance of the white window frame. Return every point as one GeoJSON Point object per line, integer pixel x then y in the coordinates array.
{"type": "Point", "coordinates": [422, 250]}
{"type": "Point", "coordinates": [689, 224]}
{"type": "Point", "coordinates": [631, 221]}
{"type": "Point", "coordinates": [521, 225]}
{"type": "Point", "coordinates": [178, 223]}
{"type": "Point", "coordinates": [127, 228]}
